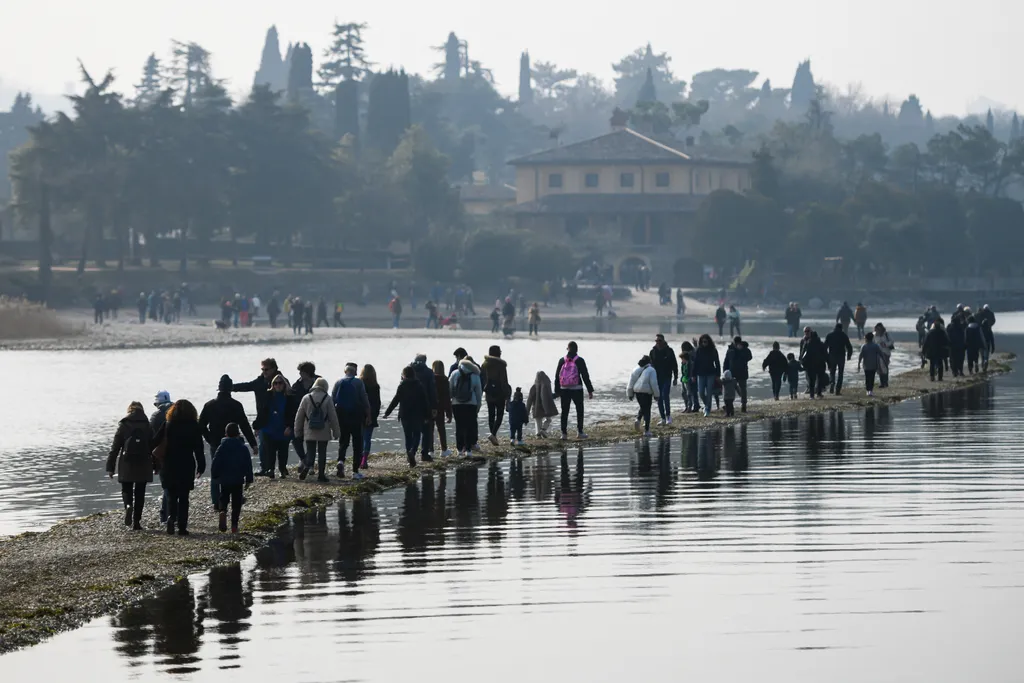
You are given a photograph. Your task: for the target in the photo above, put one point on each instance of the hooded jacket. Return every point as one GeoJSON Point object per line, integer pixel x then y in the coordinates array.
{"type": "Point", "coordinates": [260, 388]}
{"type": "Point", "coordinates": [957, 332]}
{"type": "Point", "coordinates": [541, 401]}
{"type": "Point", "coordinates": [704, 362]}
{"type": "Point", "coordinates": [581, 366]}
{"type": "Point", "coordinates": [814, 354]}
{"type": "Point", "coordinates": [860, 316]}
{"type": "Point", "coordinates": [775, 363]}
{"type": "Point", "coordinates": [728, 387]}
{"type": "Point", "coordinates": [132, 469]}
{"type": "Point", "coordinates": [218, 414]}
{"type": "Point", "coordinates": [470, 369]}
{"type": "Point", "coordinates": [663, 358]}
{"type": "Point", "coordinates": [159, 416]}
{"type": "Point", "coordinates": [232, 464]}
{"type": "Point", "coordinates": [736, 359]}
{"type": "Point", "coordinates": [425, 376]}
{"type": "Point", "coordinates": [497, 389]}
{"type": "Point", "coordinates": [411, 401]}
{"type": "Point", "coordinates": [332, 428]}
{"type": "Point", "coordinates": [643, 380]}
{"type": "Point", "coordinates": [871, 357]}
{"type": "Point", "coordinates": [844, 315]}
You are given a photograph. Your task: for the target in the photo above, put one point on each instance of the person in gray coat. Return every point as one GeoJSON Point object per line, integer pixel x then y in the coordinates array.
{"type": "Point", "coordinates": [871, 358]}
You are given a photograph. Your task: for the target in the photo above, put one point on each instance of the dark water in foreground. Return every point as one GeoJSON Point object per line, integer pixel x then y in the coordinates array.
{"type": "Point", "coordinates": [876, 546]}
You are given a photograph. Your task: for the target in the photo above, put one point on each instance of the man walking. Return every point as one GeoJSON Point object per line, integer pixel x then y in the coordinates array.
{"type": "Point", "coordinates": [837, 343]}
{"type": "Point", "coordinates": [663, 358]}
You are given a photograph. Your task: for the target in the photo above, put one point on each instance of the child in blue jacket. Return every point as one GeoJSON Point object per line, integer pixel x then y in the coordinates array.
{"type": "Point", "coordinates": [232, 467]}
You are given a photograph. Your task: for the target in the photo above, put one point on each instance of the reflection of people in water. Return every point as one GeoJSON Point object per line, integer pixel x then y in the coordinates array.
{"type": "Point", "coordinates": [734, 447]}
{"type": "Point", "coordinates": [230, 604]}
{"type": "Point", "coordinates": [665, 474]}
{"type": "Point", "coordinates": [175, 627]}
{"type": "Point", "coordinates": [467, 505]}
{"type": "Point", "coordinates": [358, 542]}
{"type": "Point", "coordinates": [837, 433]}
{"type": "Point", "coordinates": [572, 496]}
{"type": "Point", "coordinates": [517, 479]}
{"type": "Point", "coordinates": [495, 501]}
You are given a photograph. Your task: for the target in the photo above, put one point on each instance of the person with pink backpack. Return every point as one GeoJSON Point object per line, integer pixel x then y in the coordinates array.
{"type": "Point", "coordinates": [571, 376]}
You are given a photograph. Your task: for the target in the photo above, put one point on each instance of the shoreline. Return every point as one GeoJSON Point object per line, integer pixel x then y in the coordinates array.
{"type": "Point", "coordinates": [81, 569]}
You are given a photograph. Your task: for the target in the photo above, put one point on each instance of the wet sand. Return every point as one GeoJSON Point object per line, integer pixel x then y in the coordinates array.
{"type": "Point", "coordinates": [80, 569]}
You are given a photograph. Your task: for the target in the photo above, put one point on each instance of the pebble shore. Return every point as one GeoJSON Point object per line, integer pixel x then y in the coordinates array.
{"type": "Point", "coordinates": [78, 570]}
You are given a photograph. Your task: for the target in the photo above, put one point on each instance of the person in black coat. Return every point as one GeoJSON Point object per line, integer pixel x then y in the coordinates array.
{"type": "Point", "coordinates": [776, 364]}
{"type": "Point", "coordinates": [936, 349]}
{"type": "Point", "coordinates": [706, 367]}
{"type": "Point", "coordinates": [232, 467]}
{"type": "Point", "coordinates": [425, 376]}
{"type": "Point", "coordinates": [663, 358]}
{"type": "Point", "coordinates": [131, 458]}
{"type": "Point", "coordinates": [957, 333]}
{"type": "Point", "coordinates": [184, 461]}
{"type": "Point", "coordinates": [837, 343]}
{"type": "Point", "coordinates": [737, 356]}
{"type": "Point", "coordinates": [413, 411]}
{"type": "Point", "coordinates": [214, 418]}
{"type": "Point", "coordinates": [813, 356]}
{"type": "Point", "coordinates": [974, 341]}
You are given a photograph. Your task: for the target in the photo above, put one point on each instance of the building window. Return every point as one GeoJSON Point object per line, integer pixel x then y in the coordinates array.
{"type": "Point", "coordinates": [591, 180]}
{"type": "Point", "coordinates": [626, 180]}
{"type": "Point", "coordinates": [661, 179]}
{"type": "Point", "coordinates": [555, 180]}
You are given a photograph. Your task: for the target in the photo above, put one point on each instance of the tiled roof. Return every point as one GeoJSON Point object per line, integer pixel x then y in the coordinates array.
{"type": "Point", "coordinates": [621, 146]}
{"type": "Point", "coordinates": [486, 193]}
{"type": "Point", "coordinates": [625, 203]}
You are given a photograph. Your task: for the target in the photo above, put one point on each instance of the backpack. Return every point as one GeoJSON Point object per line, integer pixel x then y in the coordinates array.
{"type": "Point", "coordinates": [346, 397]}
{"type": "Point", "coordinates": [570, 374]}
{"type": "Point", "coordinates": [463, 388]}
{"type": "Point", "coordinates": [317, 415]}
{"type": "Point", "coordinates": [136, 446]}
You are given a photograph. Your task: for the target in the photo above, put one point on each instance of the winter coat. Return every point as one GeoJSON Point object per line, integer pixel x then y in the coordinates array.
{"type": "Point", "coordinates": [541, 401]}
{"type": "Point", "coordinates": [736, 359]}
{"type": "Point", "coordinates": [860, 316]}
{"type": "Point", "coordinates": [291, 406]}
{"type": "Point", "coordinates": [885, 343]}
{"type": "Point", "coordinates": [720, 315]}
{"type": "Point", "coordinates": [581, 366]}
{"type": "Point", "coordinates": [467, 367]}
{"type": "Point", "coordinates": [411, 401]}
{"type": "Point", "coordinates": [232, 464]}
{"type": "Point", "coordinates": [728, 389]}
{"type": "Point", "coordinates": [138, 468]}
{"type": "Point", "coordinates": [793, 316]}
{"type": "Point", "coordinates": [814, 355]}
{"type": "Point", "coordinates": [704, 362]}
{"type": "Point", "coordinates": [517, 414]}
{"type": "Point", "coordinates": [444, 396]}
{"type": "Point", "coordinates": [260, 389]}
{"type": "Point", "coordinates": [373, 396]}
{"type": "Point", "coordinates": [986, 314]}
{"type": "Point", "coordinates": [218, 414]}
{"type": "Point", "coordinates": [871, 357]}
{"type": "Point", "coordinates": [838, 346]}
{"type": "Point", "coordinates": [157, 419]}
{"type": "Point", "coordinates": [973, 338]}
{"type": "Point", "coordinates": [957, 333]}
{"type": "Point", "coordinates": [184, 456]}
{"type": "Point", "coordinates": [643, 380]}
{"type": "Point", "coordinates": [793, 370]}
{"type": "Point", "coordinates": [844, 315]}
{"type": "Point", "coordinates": [775, 363]}
{"type": "Point", "coordinates": [426, 379]}
{"type": "Point", "coordinates": [936, 344]}
{"type": "Point", "coordinates": [663, 358]}
{"type": "Point", "coordinates": [301, 429]}
{"type": "Point", "coordinates": [497, 389]}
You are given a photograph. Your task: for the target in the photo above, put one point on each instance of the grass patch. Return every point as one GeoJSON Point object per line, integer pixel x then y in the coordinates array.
{"type": "Point", "coordinates": [234, 546]}
{"type": "Point", "coordinates": [23, 319]}
{"type": "Point", "coordinates": [100, 587]}
{"type": "Point", "coordinates": [141, 579]}
{"type": "Point", "coordinates": [193, 561]}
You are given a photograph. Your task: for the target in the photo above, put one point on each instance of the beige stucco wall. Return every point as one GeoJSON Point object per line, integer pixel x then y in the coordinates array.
{"type": "Point", "coordinates": [532, 181]}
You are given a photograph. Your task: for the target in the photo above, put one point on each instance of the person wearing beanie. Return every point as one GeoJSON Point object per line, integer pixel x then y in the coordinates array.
{"type": "Point", "coordinates": [214, 418]}
{"type": "Point", "coordinates": [162, 401]}
{"type": "Point", "coordinates": [232, 467]}
{"type": "Point", "coordinates": [316, 423]}
{"type": "Point", "coordinates": [517, 417]}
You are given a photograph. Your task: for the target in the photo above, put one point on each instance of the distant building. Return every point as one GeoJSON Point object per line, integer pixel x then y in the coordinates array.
{"type": "Point", "coordinates": [630, 196]}
{"type": "Point", "coordinates": [482, 198]}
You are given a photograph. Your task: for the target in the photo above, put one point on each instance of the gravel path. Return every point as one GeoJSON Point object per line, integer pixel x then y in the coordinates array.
{"type": "Point", "coordinates": [58, 579]}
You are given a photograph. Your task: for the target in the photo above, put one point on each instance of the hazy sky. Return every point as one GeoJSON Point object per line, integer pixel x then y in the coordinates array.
{"type": "Point", "coordinates": [948, 53]}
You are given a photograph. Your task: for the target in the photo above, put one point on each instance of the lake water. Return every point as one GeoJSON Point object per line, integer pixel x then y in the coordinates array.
{"type": "Point", "coordinates": [63, 413]}
{"type": "Point", "coordinates": [875, 546]}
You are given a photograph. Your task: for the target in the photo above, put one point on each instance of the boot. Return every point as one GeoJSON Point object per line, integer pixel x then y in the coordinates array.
{"type": "Point", "coordinates": [303, 471]}
{"type": "Point", "coordinates": [127, 515]}
{"type": "Point", "coordinates": [412, 459]}
{"type": "Point", "coordinates": [341, 469]}
{"type": "Point", "coordinates": [222, 525]}
{"type": "Point", "coordinates": [170, 527]}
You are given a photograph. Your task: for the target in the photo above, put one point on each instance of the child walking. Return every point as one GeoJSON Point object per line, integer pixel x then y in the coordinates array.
{"type": "Point", "coordinates": [232, 468]}
{"type": "Point", "coordinates": [793, 370]}
{"type": "Point", "coordinates": [541, 403]}
{"type": "Point", "coordinates": [518, 416]}
{"type": "Point", "coordinates": [729, 391]}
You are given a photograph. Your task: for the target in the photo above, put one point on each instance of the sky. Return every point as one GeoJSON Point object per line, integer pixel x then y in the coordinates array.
{"type": "Point", "coordinates": [949, 54]}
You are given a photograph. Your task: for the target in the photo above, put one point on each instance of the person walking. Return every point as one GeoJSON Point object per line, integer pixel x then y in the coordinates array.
{"type": "Point", "coordinates": [467, 395]}
{"type": "Point", "coordinates": [844, 316]}
{"type": "Point", "coordinates": [232, 467]}
{"type": "Point", "coordinates": [183, 462]}
{"type": "Point", "coordinates": [860, 319]}
{"type": "Point", "coordinates": [737, 358]}
{"type": "Point", "coordinates": [301, 387]}
{"type": "Point", "coordinates": [957, 333]}
{"type": "Point", "coordinates": [793, 315]}
{"type": "Point", "coordinates": [974, 342]}
{"type": "Point", "coordinates": [541, 403]}
{"type": "Point", "coordinates": [316, 423]}
{"type": "Point", "coordinates": [706, 367]}
{"type": "Point", "coordinates": [734, 321]}
{"type": "Point", "coordinates": [273, 310]}
{"type": "Point", "coordinates": [729, 392]}
{"type": "Point", "coordinates": [426, 378]}
{"type": "Point", "coordinates": [534, 320]}
{"type": "Point", "coordinates": [321, 313]}
{"type": "Point", "coordinates": [571, 376]}
{"type": "Point", "coordinates": [497, 390]}
{"type": "Point", "coordinates": [162, 402]}
{"type": "Point", "coordinates": [276, 432]}
{"type": "Point", "coordinates": [308, 317]}
{"type": "Point", "coordinates": [214, 419]}
{"type": "Point", "coordinates": [444, 405]}
{"type": "Point", "coordinates": [353, 400]}
{"type": "Point", "coordinates": [369, 378]}
{"type": "Point", "coordinates": [987, 320]}
{"type": "Point", "coordinates": [839, 350]}
{"type": "Point", "coordinates": [814, 358]}
{"type": "Point", "coordinates": [936, 349]}
{"type": "Point", "coordinates": [887, 345]}
{"type": "Point", "coordinates": [396, 311]}
{"type": "Point", "coordinates": [643, 385]}
{"type": "Point", "coordinates": [720, 318]}
{"type": "Point", "coordinates": [131, 458]}
{"type": "Point", "coordinates": [871, 358]}
{"type": "Point", "coordinates": [413, 411]}
{"type": "Point", "coordinates": [687, 379]}
{"type": "Point", "coordinates": [776, 365]}
{"type": "Point", "coordinates": [663, 359]}
{"type": "Point", "coordinates": [518, 417]}
{"type": "Point", "coordinates": [793, 370]}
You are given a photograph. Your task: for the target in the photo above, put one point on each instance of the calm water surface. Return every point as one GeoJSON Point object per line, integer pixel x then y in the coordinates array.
{"type": "Point", "coordinates": [876, 546]}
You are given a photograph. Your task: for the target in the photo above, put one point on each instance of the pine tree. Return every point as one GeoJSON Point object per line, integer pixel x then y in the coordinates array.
{"type": "Point", "coordinates": [345, 59]}
{"type": "Point", "coordinates": [990, 122]}
{"type": "Point", "coordinates": [910, 111]}
{"type": "Point", "coordinates": [346, 110]}
{"type": "Point", "coordinates": [804, 88]}
{"type": "Point", "coordinates": [929, 122]}
{"type": "Point", "coordinates": [525, 83]}
{"type": "Point", "coordinates": [151, 85]}
{"type": "Point", "coordinates": [190, 70]}
{"type": "Point", "coordinates": [647, 92]}
{"type": "Point", "coordinates": [1014, 128]}
{"type": "Point", "coordinates": [300, 74]}
{"type": "Point", "coordinates": [272, 71]}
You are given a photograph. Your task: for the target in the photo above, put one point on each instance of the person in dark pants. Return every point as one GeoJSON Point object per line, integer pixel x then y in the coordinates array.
{"type": "Point", "coordinates": [720, 317]}
{"type": "Point", "coordinates": [276, 434]}
{"type": "Point", "coordinates": [316, 423]}
{"type": "Point", "coordinates": [496, 390]}
{"type": "Point", "coordinates": [444, 405]}
{"type": "Point", "coordinates": [643, 386]}
{"type": "Point", "coordinates": [871, 358]}
{"type": "Point", "coordinates": [413, 411]}
{"type": "Point", "coordinates": [304, 385]}
{"type": "Point", "coordinates": [354, 409]}
{"type": "Point", "coordinates": [663, 358]}
{"type": "Point", "coordinates": [936, 349]}
{"type": "Point", "coordinates": [162, 402]}
{"type": "Point", "coordinates": [260, 388]}
{"type": "Point", "coordinates": [987, 320]}
{"type": "Point", "coordinates": [214, 419]}
{"type": "Point", "coordinates": [131, 458]}
{"type": "Point", "coordinates": [308, 317]}
{"type": "Point", "coordinates": [957, 333]}
{"type": "Point", "coordinates": [184, 461]}
{"type": "Point", "coordinates": [839, 350]}
{"type": "Point", "coordinates": [467, 394]}
{"type": "Point", "coordinates": [706, 367]}
{"type": "Point", "coordinates": [737, 357]}
{"type": "Point", "coordinates": [425, 376]}
{"type": "Point", "coordinates": [776, 365]}
{"type": "Point", "coordinates": [813, 357]}
{"type": "Point", "coordinates": [369, 379]}
{"type": "Point", "coordinates": [974, 342]}
{"type": "Point", "coordinates": [232, 467]}
{"type": "Point", "coordinates": [571, 376]}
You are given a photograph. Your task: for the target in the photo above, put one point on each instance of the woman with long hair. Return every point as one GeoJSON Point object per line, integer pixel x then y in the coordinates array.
{"type": "Point", "coordinates": [444, 405]}
{"type": "Point", "coordinates": [131, 457]}
{"type": "Point", "coordinates": [282, 406]}
{"type": "Point", "coordinates": [369, 378]}
{"type": "Point", "coordinates": [707, 368]}
{"type": "Point", "coordinates": [184, 461]}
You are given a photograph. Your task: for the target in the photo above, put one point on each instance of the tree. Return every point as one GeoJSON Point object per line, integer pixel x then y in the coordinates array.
{"type": "Point", "coordinates": [14, 132]}
{"type": "Point", "coordinates": [151, 85]}
{"type": "Point", "coordinates": [346, 110]}
{"type": "Point", "coordinates": [190, 69]}
{"type": "Point", "coordinates": [805, 90]}
{"type": "Point", "coordinates": [272, 72]}
{"type": "Point", "coordinates": [995, 227]}
{"type": "Point", "coordinates": [551, 81]}
{"type": "Point", "coordinates": [1014, 128]}
{"type": "Point", "coordinates": [631, 73]}
{"type": "Point", "coordinates": [455, 58]}
{"type": "Point", "coordinates": [910, 112]}
{"type": "Point", "coordinates": [419, 172]}
{"type": "Point", "coordinates": [727, 90]}
{"type": "Point", "coordinates": [990, 122]}
{"type": "Point", "coordinates": [345, 59]}
{"type": "Point", "coordinates": [906, 162]}
{"type": "Point", "coordinates": [764, 177]}
{"type": "Point", "coordinates": [647, 93]}
{"type": "Point", "coordinates": [389, 113]}
{"type": "Point", "coordinates": [300, 74]}
{"type": "Point", "coordinates": [864, 158]}
{"type": "Point", "coordinates": [525, 83]}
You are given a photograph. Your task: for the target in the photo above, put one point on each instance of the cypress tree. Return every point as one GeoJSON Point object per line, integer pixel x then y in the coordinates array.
{"type": "Point", "coordinates": [525, 84]}
{"type": "Point", "coordinates": [804, 87]}
{"type": "Point", "coordinates": [389, 111]}
{"type": "Point", "coordinates": [1014, 128]}
{"type": "Point", "coordinates": [272, 70]}
{"type": "Point", "coordinates": [300, 74]}
{"type": "Point", "coordinates": [647, 93]}
{"type": "Point", "coordinates": [990, 122]}
{"type": "Point", "coordinates": [452, 58]}
{"type": "Point", "coordinates": [346, 110]}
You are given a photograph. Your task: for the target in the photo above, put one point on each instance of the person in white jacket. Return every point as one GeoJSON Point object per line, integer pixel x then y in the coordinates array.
{"type": "Point", "coordinates": [643, 385]}
{"type": "Point", "coordinates": [887, 345]}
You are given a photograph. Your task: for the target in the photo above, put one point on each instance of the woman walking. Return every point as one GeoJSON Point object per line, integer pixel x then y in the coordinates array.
{"type": "Point", "coordinates": [316, 423]}
{"type": "Point", "coordinates": [534, 320]}
{"type": "Point", "coordinates": [131, 457]}
{"type": "Point", "coordinates": [643, 385]}
{"type": "Point", "coordinates": [466, 394]}
{"type": "Point", "coordinates": [734, 321]}
{"type": "Point", "coordinates": [413, 411]}
{"type": "Point", "coordinates": [369, 377]}
{"type": "Point", "coordinates": [444, 405]}
{"type": "Point", "coordinates": [707, 368]}
{"type": "Point", "coordinates": [183, 462]}
{"type": "Point", "coordinates": [541, 403]}
{"type": "Point", "coordinates": [277, 431]}
{"type": "Point", "coordinates": [886, 344]}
